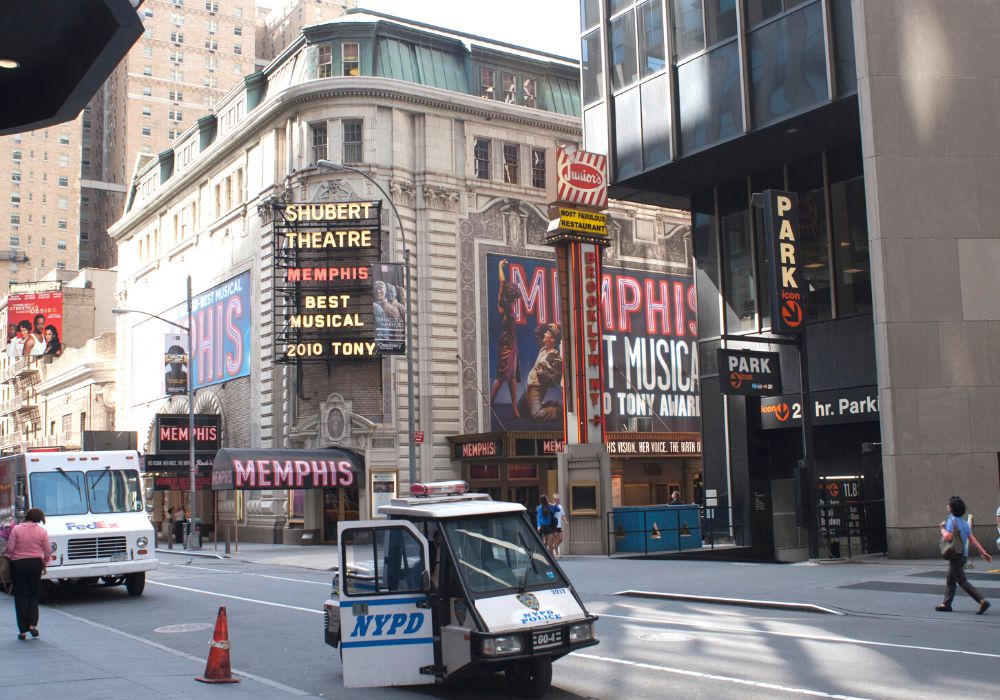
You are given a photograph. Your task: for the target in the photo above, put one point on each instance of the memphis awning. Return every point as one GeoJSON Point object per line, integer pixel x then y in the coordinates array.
{"type": "Point", "coordinates": [264, 469]}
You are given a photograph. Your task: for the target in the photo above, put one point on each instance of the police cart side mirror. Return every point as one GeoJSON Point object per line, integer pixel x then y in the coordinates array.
{"type": "Point", "coordinates": [425, 582]}
{"type": "Point", "coordinates": [150, 507]}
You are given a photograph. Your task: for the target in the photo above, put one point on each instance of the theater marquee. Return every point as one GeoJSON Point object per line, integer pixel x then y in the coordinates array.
{"type": "Point", "coordinates": [327, 307]}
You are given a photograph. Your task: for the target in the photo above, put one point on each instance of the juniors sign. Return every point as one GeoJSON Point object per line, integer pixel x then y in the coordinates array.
{"type": "Point", "coordinates": [781, 221]}
{"type": "Point", "coordinates": [579, 179]}
{"type": "Point", "coordinates": [648, 347]}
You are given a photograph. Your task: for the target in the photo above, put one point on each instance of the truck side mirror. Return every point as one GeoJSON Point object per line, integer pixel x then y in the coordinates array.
{"type": "Point", "coordinates": [150, 507]}
{"type": "Point", "coordinates": [425, 581]}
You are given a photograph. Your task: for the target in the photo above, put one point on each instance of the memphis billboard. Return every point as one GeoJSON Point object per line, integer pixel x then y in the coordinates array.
{"type": "Point", "coordinates": [650, 348]}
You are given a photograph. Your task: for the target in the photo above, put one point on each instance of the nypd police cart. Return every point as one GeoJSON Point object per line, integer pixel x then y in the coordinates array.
{"type": "Point", "coordinates": [452, 584]}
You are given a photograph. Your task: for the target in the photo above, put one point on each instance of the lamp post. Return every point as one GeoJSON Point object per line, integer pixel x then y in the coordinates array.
{"type": "Point", "coordinates": [193, 542]}
{"type": "Point", "coordinates": [340, 167]}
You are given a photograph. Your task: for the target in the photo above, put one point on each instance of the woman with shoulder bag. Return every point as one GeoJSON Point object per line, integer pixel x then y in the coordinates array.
{"type": "Point", "coordinates": [28, 550]}
{"type": "Point", "coordinates": [951, 527]}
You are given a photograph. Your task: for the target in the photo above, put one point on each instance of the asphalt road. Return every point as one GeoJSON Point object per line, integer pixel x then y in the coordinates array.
{"type": "Point", "coordinates": [649, 648]}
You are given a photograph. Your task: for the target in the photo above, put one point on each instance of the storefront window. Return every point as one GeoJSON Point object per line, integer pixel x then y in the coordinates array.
{"type": "Point", "coordinates": [707, 267]}
{"type": "Point", "coordinates": [738, 267]}
{"type": "Point", "coordinates": [850, 230]}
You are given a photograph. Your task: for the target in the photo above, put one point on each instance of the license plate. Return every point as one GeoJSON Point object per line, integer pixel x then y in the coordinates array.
{"type": "Point", "coordinates": [118, 556]}
{"type": "Point", "coordinates": [543, 640]}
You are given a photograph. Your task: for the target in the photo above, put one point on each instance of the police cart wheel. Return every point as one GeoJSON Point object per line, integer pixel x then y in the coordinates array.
{"type": "Point", "coordinates": [135, 583]}
{"type": "Point", "coordinates": [530, 679]}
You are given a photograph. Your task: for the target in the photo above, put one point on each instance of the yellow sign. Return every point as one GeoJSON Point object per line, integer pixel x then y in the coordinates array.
{"type": "Point", "coordinates": [583, 222]}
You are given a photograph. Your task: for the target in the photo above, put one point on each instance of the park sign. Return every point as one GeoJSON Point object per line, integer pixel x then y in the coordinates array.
{"type": "Point", "coordinates": [749, 373]}
{"type": "Point", "coordinates": [788, 291]}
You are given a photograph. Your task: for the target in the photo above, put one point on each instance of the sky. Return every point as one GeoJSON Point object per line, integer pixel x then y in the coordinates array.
{"type": "Point", "coordinates": [544, 25]}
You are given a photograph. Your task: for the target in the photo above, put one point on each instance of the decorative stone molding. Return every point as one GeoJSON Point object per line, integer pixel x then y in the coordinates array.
{"type": "Point", "coordinates": [403, 193]}
{"type": "Point", "coordinates": [443, 198]}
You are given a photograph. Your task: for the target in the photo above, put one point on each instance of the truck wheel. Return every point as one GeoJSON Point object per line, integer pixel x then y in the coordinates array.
{"type": "Point", "coordinates": [135, 583]}
{"type": "Point", "coordinates": [530, 679]}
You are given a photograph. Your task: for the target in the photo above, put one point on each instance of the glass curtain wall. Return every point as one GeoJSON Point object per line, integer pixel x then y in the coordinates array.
{"type": "Point", "coordinates": [730, 255]}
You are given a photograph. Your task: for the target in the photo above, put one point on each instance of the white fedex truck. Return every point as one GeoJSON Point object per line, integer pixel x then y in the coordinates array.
{"type": "Point", "coordinates": [94, 510]}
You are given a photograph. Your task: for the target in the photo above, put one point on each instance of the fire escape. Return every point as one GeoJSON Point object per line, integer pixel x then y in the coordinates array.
{"type": "Point", "coordinates": [22, 376]}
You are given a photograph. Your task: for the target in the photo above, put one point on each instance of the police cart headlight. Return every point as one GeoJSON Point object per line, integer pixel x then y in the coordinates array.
{"type": "Point", "coordinates": [54, 546]}
{"type": "Point", "coordinates": [503, 646]}
{"type": "Point", "coordinates": [581, 633]}
{"type": "Point", "coordinates": [142, 542]}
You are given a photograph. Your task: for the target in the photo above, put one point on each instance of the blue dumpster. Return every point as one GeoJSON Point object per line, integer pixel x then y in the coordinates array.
{"type": "Point", "coordinates": [656, 528]}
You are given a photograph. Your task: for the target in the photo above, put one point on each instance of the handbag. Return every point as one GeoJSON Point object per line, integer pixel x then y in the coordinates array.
{"type": "Point", "coordinates": [955, 547]}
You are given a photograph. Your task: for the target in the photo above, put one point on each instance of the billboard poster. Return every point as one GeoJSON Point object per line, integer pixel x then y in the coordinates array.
{"type": "Point", "coordinates": [175, 364]}
{"type": "Point", "coordinates": [34, 319]}
{"type": "Point", "coordinates": [222, 324]}
{"type": "Point", "coordinates": [650, 348]}
{"type": "Point", "coordinates": [389, 304]}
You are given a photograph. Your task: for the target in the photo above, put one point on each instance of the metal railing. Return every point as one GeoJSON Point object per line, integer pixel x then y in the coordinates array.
{"type": "Point", "coordinates": [664, 529]}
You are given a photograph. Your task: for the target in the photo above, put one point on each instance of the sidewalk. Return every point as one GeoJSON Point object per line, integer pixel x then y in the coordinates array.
{"type": "Point", "coordinates": [83, 660]}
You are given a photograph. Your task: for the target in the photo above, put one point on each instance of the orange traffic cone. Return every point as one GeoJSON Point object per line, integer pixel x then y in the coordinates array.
{"type": "Point", "coordinates": [217, 670]}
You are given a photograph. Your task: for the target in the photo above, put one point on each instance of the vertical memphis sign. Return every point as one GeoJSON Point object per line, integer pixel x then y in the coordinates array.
{"type": "Point", "coordinates": [781, 222]}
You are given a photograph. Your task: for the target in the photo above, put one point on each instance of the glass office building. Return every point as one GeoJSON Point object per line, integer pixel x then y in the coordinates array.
{"type": "Point", "coordinates": [882, 117]}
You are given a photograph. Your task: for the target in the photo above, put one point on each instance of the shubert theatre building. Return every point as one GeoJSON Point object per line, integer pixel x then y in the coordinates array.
{"type": "Point", "coordinates": [303, 315]}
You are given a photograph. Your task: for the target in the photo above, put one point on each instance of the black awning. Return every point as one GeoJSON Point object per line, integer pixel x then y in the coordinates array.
{"type": "Point", "coordinates": [256, 469]}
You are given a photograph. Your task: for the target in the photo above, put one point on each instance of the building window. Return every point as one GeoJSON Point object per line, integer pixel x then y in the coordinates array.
{"type": "Point", "coordinates": [177, 37]}
{"type": "Point", "coordinates": [319, 142]}
{"type": "Point", "coordinates": [147, 91]}
{"type": "Point", "coordinates": [63, 203]}
{"type": "Point", "coordinates": [178, 76]}
{"type": "Point", "coordinates": [177, 56]}
{"type": "Point", "coordinates": [15, 176]}
{"type": "Point", "coordinates": [211, 44]}
{"type": "Point", "coordinates": [352, 141]}
{"type": "Point", "coordinates": [63, 224]}
{"type": "Point", "coordinates": [64, 181]}
{"type": "Point", "coordinates": [177, 20]}
{"type": "Point", "coordinates": [509, 88]}
{"type": "Point", "coordinates": [147, 70]}
{"type": "Point", "coordinates": [212, 25]}
{"type": "Point", "coordinates": [15, 219]}
{"type": "Point", "coordinates": [64, 139]}
{"type": "Point", "coordinates": [350, 53]}
{"type": "Point", "coordinates": [211, 6]}
{"type": "Point", "coordinates": [60, 265]}
{"type": "Point", "coordinates": [211, 62]}
{"type": "Point", "coordinates": [486, 83]}
{"type": "Point", "coordinates": [324, 66]}
{"type": "Point", "coordinates": [238, 31]}
{"type": "Point", "coordinates": [15, 198]}
{"type": "Point", "coordinates": [147, 131]}
{"type": "Point", "coordinates": [176, 115]}
{"type": "Point", "coordinates": [538, 167]}
{"type": "Point", "coordinates": [175, 95]}
{"type": "Point", "coordinates": [15, 241]}
{"type": "Point", "coordinates": [529, 95]}
{"type": "Point", "coordinates": [592, 72]}
{"type": "Point", "coordinates": [64, 161]}
{"type": "Point", "coordinates": [237, 49]}
{"type": "Point", "coordinates": [481, 156]}
{"type": "Point", "coordinates": [84, 236]}
{"type": "Point", "coordinates": [511, 163]}
{"type": "Point", "coordinates": [61, 245]}
{"type": "Point", "coordinates": [16, 155]}
{"type": "Point", "coordinates": [147, 111]}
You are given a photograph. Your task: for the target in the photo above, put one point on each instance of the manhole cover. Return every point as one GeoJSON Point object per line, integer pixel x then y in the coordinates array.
{"type": "Point", "coordinates": [186, 627]}
{"type": "Point", "coordinates": [665, 637]}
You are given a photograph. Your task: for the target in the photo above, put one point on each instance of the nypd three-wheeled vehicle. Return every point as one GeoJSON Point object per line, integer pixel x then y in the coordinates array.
{"type": "Point", "coordinates": [451, 585]}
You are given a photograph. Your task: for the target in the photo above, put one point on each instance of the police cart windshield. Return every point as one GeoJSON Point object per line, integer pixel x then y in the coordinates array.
{"type": "Point", "coordinates": [63, 492]}
{"type": "Point", "coordinates": [496, 554]}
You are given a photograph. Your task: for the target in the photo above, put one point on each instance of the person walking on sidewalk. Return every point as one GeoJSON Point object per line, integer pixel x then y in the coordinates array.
{"type": "Point", "coordinates": [950, 527]}
{"type": "Point", "coordinates": [28, 550]}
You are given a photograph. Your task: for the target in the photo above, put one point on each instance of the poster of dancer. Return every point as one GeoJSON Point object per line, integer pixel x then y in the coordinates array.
{"type": "Point", "coordinates": [649, 348]}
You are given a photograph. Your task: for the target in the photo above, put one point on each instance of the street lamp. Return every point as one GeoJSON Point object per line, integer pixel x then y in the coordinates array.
{"type": "Point", "coordinates": [192, 540]}
{"type": "Point", "coordinates": [340, 167]}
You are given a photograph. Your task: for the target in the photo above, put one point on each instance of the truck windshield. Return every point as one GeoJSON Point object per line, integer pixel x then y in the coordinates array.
{"type": "Point", "coordinates": [114, 491]}
{"type": "Point", "coordinates": [59, 493]}
{"type": "Point", "coordinates": [500, 553]}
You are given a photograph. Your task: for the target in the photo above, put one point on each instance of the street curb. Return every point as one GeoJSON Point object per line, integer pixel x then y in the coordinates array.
{"type": "Point", "coordinates": [742, 602]}
{"type": "Point", "coordinates": [191, 553]}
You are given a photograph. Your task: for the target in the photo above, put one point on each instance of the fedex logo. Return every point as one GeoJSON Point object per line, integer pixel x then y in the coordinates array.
{"type": "Point", "coordinates": [96, 525]}
{"type": "Point", "coordinates": [387, 625]}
